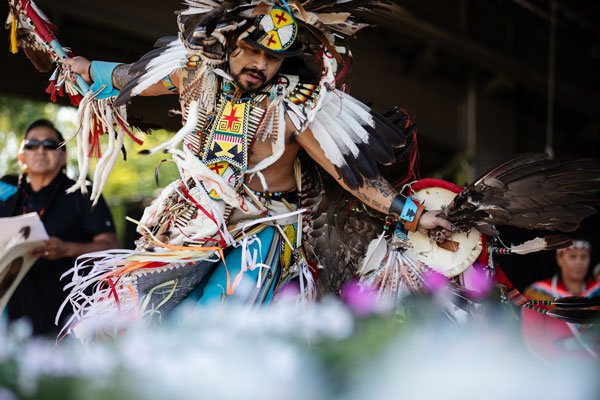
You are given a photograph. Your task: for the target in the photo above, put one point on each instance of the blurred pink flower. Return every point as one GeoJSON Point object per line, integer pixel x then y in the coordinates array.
{"type": "Point", "coordinates": [476, 281]}
{"type": "Point", "coordinates": [362, 300]}
{"type": "Point", "coordinates": [435, 282]}
{"type": "Point", "coordinates": [288, 292]}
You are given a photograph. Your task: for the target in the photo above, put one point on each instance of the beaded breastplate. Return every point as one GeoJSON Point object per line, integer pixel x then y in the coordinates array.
{"type": "Point", "coordinates": [225, 137]}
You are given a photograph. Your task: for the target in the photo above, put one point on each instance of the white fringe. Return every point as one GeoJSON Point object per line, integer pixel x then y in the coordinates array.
{"type": "Point", "coordinates": [107, 115]}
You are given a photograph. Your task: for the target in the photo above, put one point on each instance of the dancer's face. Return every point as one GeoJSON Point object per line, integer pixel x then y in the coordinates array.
{"type": "Point", "coordinates": [251, 67]}
{"type": "Point", "coordinates": [573, 263]}
{"type": "Point", "coordinates": [37, 154]}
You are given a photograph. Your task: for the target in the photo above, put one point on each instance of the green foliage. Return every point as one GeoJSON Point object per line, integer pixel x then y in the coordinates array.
{"type": "Point", "coordinates": [131, 179]}
{"type": "Point", "coordinates": [15, 116]}
{"type": "Point", "coordinates": [134, 179]}
{"type": "Point", "coordinates": [344, 357]}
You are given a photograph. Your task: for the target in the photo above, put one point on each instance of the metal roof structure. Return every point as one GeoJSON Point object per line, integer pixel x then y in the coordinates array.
{"type": "Point", "coordinates": [475, 72]}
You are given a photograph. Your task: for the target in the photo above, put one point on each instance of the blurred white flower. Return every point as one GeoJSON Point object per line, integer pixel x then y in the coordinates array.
{"type": "Point", "coordinates": [236, 352]}
{"type": "Point", "coordinates": [439, 360]}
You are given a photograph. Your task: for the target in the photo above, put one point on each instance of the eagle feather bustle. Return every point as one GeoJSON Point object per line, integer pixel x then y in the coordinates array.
{"type": "Point", "coordinates": [530, 191]}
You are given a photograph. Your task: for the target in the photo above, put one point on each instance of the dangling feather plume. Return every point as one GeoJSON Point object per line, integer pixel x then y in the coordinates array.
{"type": "Point", "coordinates": [548, 242]}
{"type": "Point", "coordinates": [23, 33]}
{"type": "Point", "coordinates": [169, 55]}
{"type": "Point", "coordinates": [340, 229]}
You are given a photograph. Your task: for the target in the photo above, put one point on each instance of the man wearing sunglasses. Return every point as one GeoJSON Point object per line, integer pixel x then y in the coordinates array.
{"type": "Point", "coordinates": [74, 228]}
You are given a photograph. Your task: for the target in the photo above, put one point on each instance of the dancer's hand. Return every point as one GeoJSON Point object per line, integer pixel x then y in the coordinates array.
{"type": "Point", "coordinates": [80, 66]}
{"type": "Point", "coordinates": [430, 220]}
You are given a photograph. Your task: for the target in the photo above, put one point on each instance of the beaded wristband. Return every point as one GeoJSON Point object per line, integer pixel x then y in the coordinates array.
{"type": "Point", "coordinates": [412, 209]}
{"type": "Point", "coordinates": [409, 211]}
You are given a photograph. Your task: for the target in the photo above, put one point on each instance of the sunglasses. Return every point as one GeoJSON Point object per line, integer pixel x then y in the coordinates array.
{"type": "Point", "coordinates": [47, 144]}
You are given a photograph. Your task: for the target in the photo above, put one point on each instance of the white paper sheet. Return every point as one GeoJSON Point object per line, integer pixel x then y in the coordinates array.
{"type": "Point", "coordinates": [18, 236]}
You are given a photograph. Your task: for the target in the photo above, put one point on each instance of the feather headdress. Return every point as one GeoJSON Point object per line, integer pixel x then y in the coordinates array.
{"type": "Point", "coordinates": [208, 28]}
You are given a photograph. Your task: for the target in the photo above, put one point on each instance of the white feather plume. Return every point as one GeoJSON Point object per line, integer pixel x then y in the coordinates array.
{"type": "Point", "coordinates": [163, 65]}
{"type": "Point", "coordinates": [328, 145]}
{"type": "Point", "coordinates": [339, 134]}
{"type": "Point", "coordinates": [348, 118]}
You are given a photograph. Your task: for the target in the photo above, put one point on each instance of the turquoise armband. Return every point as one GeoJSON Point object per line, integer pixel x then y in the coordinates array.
{"type": "Point", "coordinates": [102, 76]}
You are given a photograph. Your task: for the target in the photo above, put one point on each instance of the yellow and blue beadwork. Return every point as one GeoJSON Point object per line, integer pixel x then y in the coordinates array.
{"type": "Point", "coordinates": [226, 149]}
{"type": "Point", "coordinates": [280, 27]}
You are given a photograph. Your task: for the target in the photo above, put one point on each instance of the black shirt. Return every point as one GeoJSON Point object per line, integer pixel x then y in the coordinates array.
{"type": "Point", "coordinates": [68, 217]}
